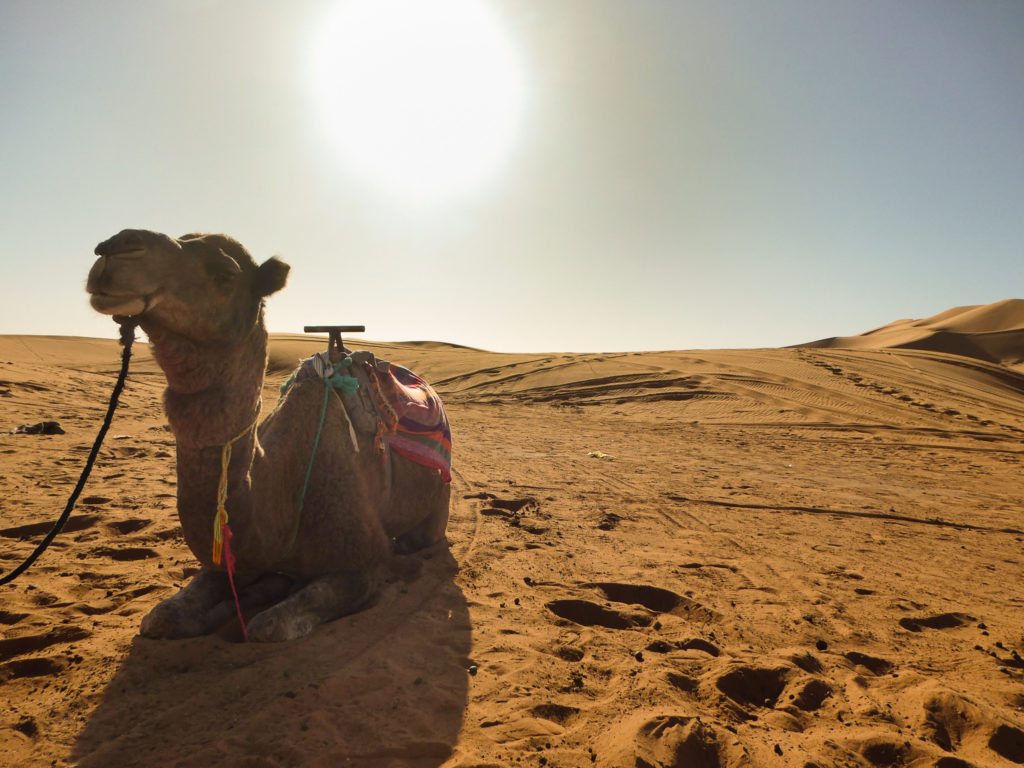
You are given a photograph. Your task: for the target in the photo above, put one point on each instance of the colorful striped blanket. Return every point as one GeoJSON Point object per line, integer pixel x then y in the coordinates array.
{"type": "Point", "coordinates": [413, 417]}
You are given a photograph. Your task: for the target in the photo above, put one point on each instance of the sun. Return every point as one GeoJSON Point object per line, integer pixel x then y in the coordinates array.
{"type": "Point", "coordinates": [423, 100]}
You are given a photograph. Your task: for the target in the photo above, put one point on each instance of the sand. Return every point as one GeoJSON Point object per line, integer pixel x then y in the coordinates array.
{"type": "Point", "coordinates": [793, 557]}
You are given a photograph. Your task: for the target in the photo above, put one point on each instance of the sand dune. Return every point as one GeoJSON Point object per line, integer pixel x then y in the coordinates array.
{"type": "Point", "coordinates": [990, 332]}
{"type": "Point", "coordinates": [798, 557]}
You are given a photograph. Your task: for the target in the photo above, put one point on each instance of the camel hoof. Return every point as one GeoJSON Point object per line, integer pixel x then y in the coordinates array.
{"type": "Point", "coordinates": [166, 621]}
{"type": "Point", "coordinates": [271, 627]}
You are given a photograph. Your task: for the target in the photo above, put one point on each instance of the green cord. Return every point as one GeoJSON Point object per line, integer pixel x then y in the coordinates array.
{"type": "Point", "coordinates": [287, 383]}
{"type": "Point", "coordinates": [337, 380]}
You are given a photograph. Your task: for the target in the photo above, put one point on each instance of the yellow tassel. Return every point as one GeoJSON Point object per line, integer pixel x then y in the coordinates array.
{"type": "Point", "coordinates": [220, 519]}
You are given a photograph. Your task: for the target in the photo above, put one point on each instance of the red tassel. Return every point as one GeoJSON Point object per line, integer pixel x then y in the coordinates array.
{"type": "Point", "coordinates": [229, 562]}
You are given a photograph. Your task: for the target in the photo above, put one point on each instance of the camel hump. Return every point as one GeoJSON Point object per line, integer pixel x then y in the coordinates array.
{"type": "Point", "coordinates": [391, 402]}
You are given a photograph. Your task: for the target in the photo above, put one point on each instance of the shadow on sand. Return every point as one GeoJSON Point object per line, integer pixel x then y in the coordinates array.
{"type": "Point", "coordinates": [387, 686]}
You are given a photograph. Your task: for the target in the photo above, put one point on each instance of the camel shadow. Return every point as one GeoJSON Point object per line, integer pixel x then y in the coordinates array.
{"type": "Point", "coordinates": [386, 686]}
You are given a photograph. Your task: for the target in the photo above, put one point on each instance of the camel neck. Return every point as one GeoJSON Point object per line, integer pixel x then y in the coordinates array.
{"type": "Point", "coordinates": [210, 418]}
{"type": "Point", "coordinates": [213, 392]}
{"type": "Point", "coordinates": [218, 404]}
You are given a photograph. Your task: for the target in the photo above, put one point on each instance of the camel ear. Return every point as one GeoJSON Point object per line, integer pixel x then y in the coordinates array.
{"type": "Point", "coordinates": [271, 276]}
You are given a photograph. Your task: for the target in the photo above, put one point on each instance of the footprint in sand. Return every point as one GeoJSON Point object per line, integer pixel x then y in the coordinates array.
{"type": "Point", "coordinates": [124, 554]}
{"type": "Point", "coordinates": [939, 621]}
{"type": "Point", "coordinates": [886, 751]}
{"type": "Point", "coordinates": [9, 618]}
{"type": "Point", "coordinates": [516, 512]}
{"type": "Point", "coordinates": [514, 505]}
{"type": "Point", "coordinates": [809, 695]}
{"type": "Point", "coordinates": [591, 614]}
{"type": "Point", "coordinates": [74, 523]}
{"type": "Point", "coordinates": [124, 527]}
{"type": "Point", "coordinates": [38, 667]}
{"type": "Point", "coordinates": [682, 682]}
{"type": "Point", "coordinates": [668, 740]}
{"type": "Point", "coordinates": [658, 600]}
{"type": "Point", "coordinates": [872, 664]}
{"type": "Point", "coordinates": [751, 686]}
{"type": "Point", "coordinates": [1008, 742]}
{"type": "Point", "coordinates": [12, 649]}
{"type": "Point", "coordinates": [654, 600]}
{"type": "Point", "coordinates": [950, 721]}
{"type": "Point", "coordinates": [693, 644]}
{"type": "Point", "coordinates": [569, 653]}
{"type": "Point", "coordinates": [749, 691]}
{"type": "Point", "coordinates": [19, 646]}
{"type": "Point", "coordinates": [557, 713]}
{"type": "Point", "coordinates": [127, 452]}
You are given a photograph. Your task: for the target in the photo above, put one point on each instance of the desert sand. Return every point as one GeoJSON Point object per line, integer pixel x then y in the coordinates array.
{"type": "Point", "coordinates": [781, 557]}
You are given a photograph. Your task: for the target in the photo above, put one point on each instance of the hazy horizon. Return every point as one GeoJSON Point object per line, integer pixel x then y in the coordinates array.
{"type": "Point", "coordinates": [572, 176]}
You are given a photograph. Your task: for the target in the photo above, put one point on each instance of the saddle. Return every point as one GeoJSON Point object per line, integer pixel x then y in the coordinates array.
{"type": "Point", "coordinates": [391, 403]}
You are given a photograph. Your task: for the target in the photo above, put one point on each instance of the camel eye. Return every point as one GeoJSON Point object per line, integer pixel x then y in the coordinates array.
{"type": "Point", "coordinates": [223, 268]}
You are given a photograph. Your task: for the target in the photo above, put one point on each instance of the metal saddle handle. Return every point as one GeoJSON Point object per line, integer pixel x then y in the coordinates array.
{"type": "Point", "coordinates": [334, 331]}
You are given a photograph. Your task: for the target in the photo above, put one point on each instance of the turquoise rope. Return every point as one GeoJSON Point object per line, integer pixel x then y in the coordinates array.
{"type": "Point", "coordinates": [348, 386]}
{"type": "Point", "coordinates": [287, 384]}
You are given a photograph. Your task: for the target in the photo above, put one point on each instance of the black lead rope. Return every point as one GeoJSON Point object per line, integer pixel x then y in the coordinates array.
{"type": "Point", "coordinates": [128, 325]}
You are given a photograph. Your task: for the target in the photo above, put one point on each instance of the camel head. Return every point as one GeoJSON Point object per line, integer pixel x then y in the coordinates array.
{"type": "Point", "coordinates": [205, 288]}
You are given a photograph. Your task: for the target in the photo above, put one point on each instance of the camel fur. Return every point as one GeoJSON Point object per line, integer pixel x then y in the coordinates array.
{"type": "Point", "coordinates": [200, 300]}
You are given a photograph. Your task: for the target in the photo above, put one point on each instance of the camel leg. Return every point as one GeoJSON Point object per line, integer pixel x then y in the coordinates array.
{"type": "Point", "coordinates": [189, 612]}
{"type": "Point", "coordinates": [430, 530]}
{"type": "Point", "coordinates": [323, 599]}
{"type": "Point", "coordinates": [268, 589]}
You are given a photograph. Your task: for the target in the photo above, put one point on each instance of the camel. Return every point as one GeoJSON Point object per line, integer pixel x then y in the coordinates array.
{"type": "Point", "coordinates": [311, 537]}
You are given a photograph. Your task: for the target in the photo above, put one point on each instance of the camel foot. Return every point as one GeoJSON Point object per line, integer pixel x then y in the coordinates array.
{"type": "Point", "coordinates": [272, 627]}
{"type": "Point", "coordinates": [205, 603]}
{"type": "Point", "coordinates": [191, 612]}
{"type": "Point", "coordinates": [321, 600]}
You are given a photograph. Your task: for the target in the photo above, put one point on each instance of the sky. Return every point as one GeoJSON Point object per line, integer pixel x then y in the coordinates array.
{"type": "Point", "coordinates": [569, 175]}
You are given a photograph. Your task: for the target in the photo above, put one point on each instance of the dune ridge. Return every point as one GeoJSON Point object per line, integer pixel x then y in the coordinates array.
{"type": "Point", "coordinates": [804, 557]}
{"type": "Point", "coordinates": [991, 332]}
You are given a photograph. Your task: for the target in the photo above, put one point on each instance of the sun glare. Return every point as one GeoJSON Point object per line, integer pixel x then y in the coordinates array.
{"type": "Point", "coordinates": [421, 99]}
